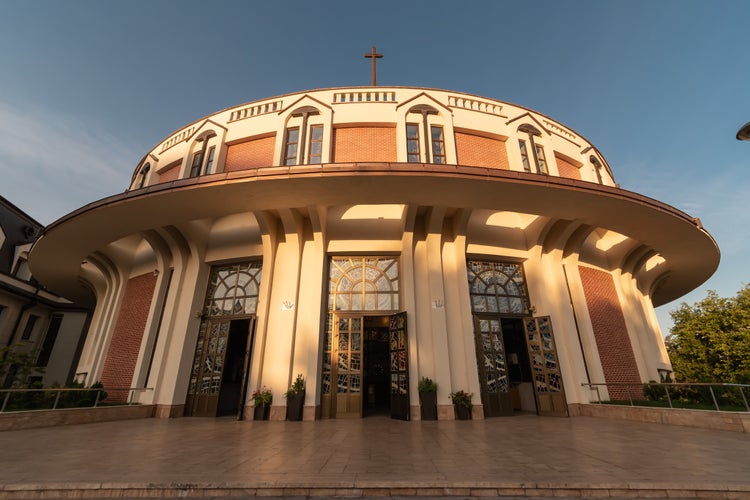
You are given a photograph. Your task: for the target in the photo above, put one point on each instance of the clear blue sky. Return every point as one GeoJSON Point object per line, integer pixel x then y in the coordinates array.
{"type": "Point", "coordinates": [88, 86]}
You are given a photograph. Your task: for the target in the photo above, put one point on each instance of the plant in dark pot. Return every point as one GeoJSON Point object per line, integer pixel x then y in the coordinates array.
{"type": "Point", "coordinates": [295, 399]}
{"type": "Point", "coordinates": [428, 398]}
{"type": "Point", "coordinates": [462, 404]}
{"type": "Point", "coordinates": [262, 399]}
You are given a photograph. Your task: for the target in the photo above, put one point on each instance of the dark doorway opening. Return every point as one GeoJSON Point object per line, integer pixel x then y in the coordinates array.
{"type": "Point", "coordinates": [233, 375]}
{"type": "Point", "coordinates": [519, 368]}
{"type": "Point", "coordinates": [377, 375]}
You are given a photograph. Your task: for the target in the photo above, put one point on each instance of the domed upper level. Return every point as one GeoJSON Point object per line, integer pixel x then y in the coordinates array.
{"type": "Point", "coordinates": [373, 124]}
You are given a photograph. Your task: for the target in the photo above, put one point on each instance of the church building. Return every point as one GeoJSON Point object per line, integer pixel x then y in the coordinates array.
{"type": "Point", "coordinates": [367, 237]}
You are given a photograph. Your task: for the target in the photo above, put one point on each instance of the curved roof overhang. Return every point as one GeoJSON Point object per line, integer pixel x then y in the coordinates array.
{"type": "Point", "coordinates": [690, 252]}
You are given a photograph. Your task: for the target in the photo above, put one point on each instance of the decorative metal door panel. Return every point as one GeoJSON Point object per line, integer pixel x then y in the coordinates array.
{"type": "Point", "coordinates": [399, 367]}
{"type": "Point", "coordinates": [342, 367]}
{"type": "Point", "coordinates": [545, 367]}
{"type": "Point", "coordinates": [205, 378]}
{"type": "Point", "coordinates": [246, 369]}
{"type": "Point", "coordinates": [492, 366]}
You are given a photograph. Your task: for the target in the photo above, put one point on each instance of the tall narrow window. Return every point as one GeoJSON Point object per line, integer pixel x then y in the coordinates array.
{"type": "Point", "coordinates": [438, 145]}
{"type": "Point", "coordinates": [290, 148]}
{"type": "Point", "coordinates": [524, 156]}
{"type": "Point", "coordinates": [597, 168]}
{"type": "Point", "coordinates": [541, 162]}
{"type": "Point", "coordinates": [209, 160]}
{"type": "Point", "coordinates": [195, 166]}
{"type": "Point", "coordinates": [49, 339]}
{"type": "Point", "coordinates": [144, 174]}
{"type": "Point", "coordinates": [26, 335]}
{"type": "Point", "coordinates": [412, 143]}
{"type": "Point", "coordinates": [316, 144]}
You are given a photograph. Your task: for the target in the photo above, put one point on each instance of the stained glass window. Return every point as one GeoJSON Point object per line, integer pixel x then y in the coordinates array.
{"type": "Point", "coordinates": [363, 284]}
{"type": "Point", "coordinates": [497, 287]}
{"type": "Point", "coordinates": [233, 289]}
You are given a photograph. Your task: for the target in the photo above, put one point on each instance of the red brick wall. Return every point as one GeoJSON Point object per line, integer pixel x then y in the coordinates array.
{"type": "Point", "coordinates": [126, 339]}
{"type": "Point", "coordinates": [476, 151]}
{"type": "Point", "coordinates": [610, 332]}
{"type": "Point", "coordinates": [250, 154]}
{"type": "Point", "coordinates": [364, 144]}
{"type": "Point", "coordinates": [567, 168]}
{"type": "Point", "coordinates": [171, 173]}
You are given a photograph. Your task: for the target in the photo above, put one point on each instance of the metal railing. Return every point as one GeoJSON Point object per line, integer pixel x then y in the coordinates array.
{"type": "Point", "coordinates": [6, 394]}
{"type": "Point", "coordinates": [684, 395]}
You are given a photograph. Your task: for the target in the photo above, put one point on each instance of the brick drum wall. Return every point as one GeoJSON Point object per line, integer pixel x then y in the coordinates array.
{"type": "Point", "coordinates": [171, 174]}
{"type": "Point", "coordinates": [567, 169]}
{"type": "Point", "coordinates": [126, 339]}
{"type": "Point", "coordinates": [365, 144]}
{"type": "Point", "coordinates": [476, 151]}
{"type": "Point", "coordinates": [610, 332]}
{"type": "Point", "coordinates": [250, 154]}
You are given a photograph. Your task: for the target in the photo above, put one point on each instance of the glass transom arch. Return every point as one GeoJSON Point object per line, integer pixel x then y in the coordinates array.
{"type": "Point", "coordinates": [497, 287]}
{"type": "Point", "coordinates": [363, 284]}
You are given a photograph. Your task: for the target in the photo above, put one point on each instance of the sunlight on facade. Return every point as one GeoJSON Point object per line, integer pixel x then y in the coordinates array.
{"type": "Point", "coordinates": [609, 240]}
{"type": "Point", "coordinates": [361, 212]}
{"type": "Point", "coordinates": [516, 220]}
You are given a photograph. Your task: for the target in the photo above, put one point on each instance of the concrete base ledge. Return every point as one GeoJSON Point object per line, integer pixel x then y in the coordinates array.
{"type": "Point", "coordinates": [18, 420]}
{"type": "Point", "coordinates": [515, 490]}
{"type": "Point", "coordinates": [724, 421]}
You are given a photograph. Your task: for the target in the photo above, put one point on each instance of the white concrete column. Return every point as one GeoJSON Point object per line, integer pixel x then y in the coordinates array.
{"type": "Point", "coordinates": [408, 280]}
{"type": "Point", "coordinates": [282, 311]}
{"type": "Point", "coordinates": [307, 344]}
{"type": "Point", "coordinates": [461, 351]}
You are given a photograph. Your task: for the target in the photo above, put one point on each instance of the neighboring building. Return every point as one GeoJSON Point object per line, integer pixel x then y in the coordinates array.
{"type": "Point", "coordinates": [368, 237]}
{"type": "Point", "coordinates": [31, 318]}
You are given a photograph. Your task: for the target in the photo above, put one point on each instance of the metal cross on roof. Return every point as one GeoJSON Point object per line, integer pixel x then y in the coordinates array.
{"type": "Point", "coordinates": [373, 55]}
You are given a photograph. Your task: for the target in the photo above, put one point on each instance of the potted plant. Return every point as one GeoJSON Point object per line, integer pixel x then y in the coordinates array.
{"type": "Point", "coordinates": [295, 399]}
{"type": "Point", "coordinates": [428, 398]}
{"type": "Point", "coordinates": [462, 404]}
{"type": "Point", "coordinates": [262, 399]}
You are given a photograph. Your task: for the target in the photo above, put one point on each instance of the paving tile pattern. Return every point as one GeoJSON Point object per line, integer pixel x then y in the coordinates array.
{"type": "Point", "coordinates": [516, 456]}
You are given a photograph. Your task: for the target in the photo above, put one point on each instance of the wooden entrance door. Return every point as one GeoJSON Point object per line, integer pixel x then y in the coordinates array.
{"type": "Point", "coordinates": [492, 365]}
{"type": "Point", "coordinates": [545, 367]}
{"type": "Point", "coordinates": [208, 371]}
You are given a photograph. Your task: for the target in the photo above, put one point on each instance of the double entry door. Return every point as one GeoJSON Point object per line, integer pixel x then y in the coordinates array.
{"type": "Point", "coordinates": [515, 354]}
{"type": "Point", "coordinates": [365, 366]}
{"type": "Point", "coordinates": [218, 381]}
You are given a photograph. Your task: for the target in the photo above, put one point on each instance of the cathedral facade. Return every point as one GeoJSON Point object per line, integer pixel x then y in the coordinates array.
{"type": "Point", "coordinates": [365, 238]}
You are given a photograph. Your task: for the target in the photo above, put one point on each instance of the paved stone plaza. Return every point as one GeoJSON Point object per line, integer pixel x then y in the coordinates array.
{"type": "Point", "coordinates": [515, 456]}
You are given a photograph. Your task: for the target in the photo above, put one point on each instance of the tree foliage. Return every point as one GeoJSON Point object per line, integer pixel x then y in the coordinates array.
{"type": "Point", "coordinates": [710, 340]}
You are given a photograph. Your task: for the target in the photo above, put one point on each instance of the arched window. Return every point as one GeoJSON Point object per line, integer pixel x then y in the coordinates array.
{"type": "Point", "coordinates": [597, 168]}
{"type": "Point", "coordinates": [497, 287]}
{"type": "Point", "coordinates": [233, 289]}
{"type": "Point", "coordinates": [363, 284]}
{"type": "Point", "coordinates": [425, 140]}
{"type": "Point", "coordinates": [203, 155]}
{"type": "Point", "coordinates": [144, 174]}
{"type": "Point", "coordinates": [537, 151]}
{"type": "Point", "coordinates": [303, 138]}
